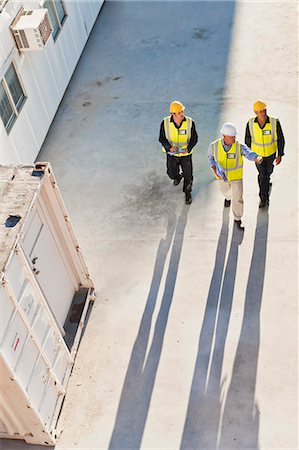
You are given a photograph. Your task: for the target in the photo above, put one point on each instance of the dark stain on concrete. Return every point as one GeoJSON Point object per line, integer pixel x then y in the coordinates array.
{"type": "Point", "coordinates": [148, 202]}
{"type": "Point", "coordinates": [219, 92]}
{"type": "Point", "coordinates": [201, 34]}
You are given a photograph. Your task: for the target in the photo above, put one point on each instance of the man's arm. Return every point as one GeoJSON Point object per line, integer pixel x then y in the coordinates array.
{"type": "Point", "coordinates": [280, 139]}
{"type": "Point", "coordinates": [212, 161]}
{"type": "Point", "coordinates": [193, 139]}
{"type": "Point", "coordinates": [280, 143]}
{"type": "Point", "coordinates": [247, 136]}
{"type": "Point", "coordinates": [162, 138]}
{"type": "Point", "coordinates": [210, 156]}
{"type": "Point", "coordinates": [252, 156]}
{"type": "Point", "coordinates": [218, 170]}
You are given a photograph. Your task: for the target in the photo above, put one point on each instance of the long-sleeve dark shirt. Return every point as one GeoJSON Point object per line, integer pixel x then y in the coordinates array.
{"type": "Point", "coordinates": [280, 136]}
{"type": "Point", "coordinates": [166, 144]}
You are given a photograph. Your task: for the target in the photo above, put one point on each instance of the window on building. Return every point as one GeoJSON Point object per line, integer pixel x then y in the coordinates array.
{"type": "Point", "coordinates": [12, 97]}
{"type": "Point", "coordinates": [7, 113]}
{"type": "Point", "coordinates": [57, 15]}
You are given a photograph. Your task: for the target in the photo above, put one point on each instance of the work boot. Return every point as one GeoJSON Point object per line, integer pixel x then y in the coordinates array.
{"type": "Point", "coordinates": [177, 181]}
{"type": "Point", "coordinates": [226, 203]}
{"type": "Point", "coordinates": [238, 224]}
{"type": "Point", "coordinates": [188, 198]}
{"type": "Point", "coordinates": [262, 204]}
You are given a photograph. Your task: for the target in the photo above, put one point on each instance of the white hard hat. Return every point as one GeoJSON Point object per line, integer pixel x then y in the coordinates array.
{"type": "Point", "coordinates": [229, 129]}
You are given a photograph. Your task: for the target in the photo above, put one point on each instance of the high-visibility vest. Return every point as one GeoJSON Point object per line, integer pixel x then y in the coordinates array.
{"type": "Point", "coordinates": [263, 140]}
{"type": "Point", "coordinates": [178, 137]}
{"type": "Point", "coordinates": [231, 161]}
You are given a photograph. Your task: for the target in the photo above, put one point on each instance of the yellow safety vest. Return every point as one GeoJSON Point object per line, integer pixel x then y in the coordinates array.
{"type": "Point", "coordinates": [231, 161]}
{"type": "Point", "coordinates": [178, 137]}
{"type": "Point", "coordinates": [263, 140]}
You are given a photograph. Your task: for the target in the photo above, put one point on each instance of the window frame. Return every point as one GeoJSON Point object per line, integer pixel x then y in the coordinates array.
{"type": "Point", "coordinates": [59, 22]}
{"type": "Point", "coordinates": [8, 127]}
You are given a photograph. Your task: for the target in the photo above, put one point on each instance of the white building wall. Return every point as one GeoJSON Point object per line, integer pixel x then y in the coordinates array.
{"type": "Point", "coordinates": [44, 75]}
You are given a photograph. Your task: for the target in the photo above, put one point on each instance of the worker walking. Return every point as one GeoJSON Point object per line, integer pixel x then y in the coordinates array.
{"type": "Point", "coordinates": [226, 159]}
{"type": "Point", "coordinates": [178, 136]}
{"type": "Point", "coordinates": [264, 135]}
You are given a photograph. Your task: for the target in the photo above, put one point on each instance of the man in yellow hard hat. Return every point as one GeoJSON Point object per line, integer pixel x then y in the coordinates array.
{"type": "Point", "coordinates": [178, 136]}
{"type": "Point", "coordinates": [264, 136]}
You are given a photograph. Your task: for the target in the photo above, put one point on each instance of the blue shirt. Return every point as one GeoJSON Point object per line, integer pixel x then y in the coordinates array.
{"type": "Point", "coordinates": [244, 150]}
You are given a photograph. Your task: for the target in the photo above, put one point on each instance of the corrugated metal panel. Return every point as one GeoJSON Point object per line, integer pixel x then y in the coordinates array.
{"type": "Point", "coordinates": [8, 151]}
{"type": "Point", "coordinates": [25, 143]}
{"type": "Point", "coordinates": [48, 91]}
{"type": "Point", "coordinates": [95, 7]}
{"type": "Point", "coordinates": [6, 18]}
{"type": "Point", "coordinates": [39, 106]}
{"type": "Point", "coordinates": [58, 66]}
{"type": "Point", "coordinates": [76, 27]}
{"type": "Point", "coordinates": [87, 15]}
{"type": "Point", "coordinates": [67, 48]}
{"type": "Point", "coordinates": [37, 358]}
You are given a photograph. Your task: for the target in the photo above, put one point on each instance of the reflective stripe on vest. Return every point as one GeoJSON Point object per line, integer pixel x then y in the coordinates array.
{"type": "Point", "coordinates": [233, 167]}
{"type": "Point", "coordinates": [263, 140]}
{"type": "Point", "coordinates": [174, 138]}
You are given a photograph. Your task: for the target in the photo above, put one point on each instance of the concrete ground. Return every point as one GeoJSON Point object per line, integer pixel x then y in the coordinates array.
{"type": "Point", "coordinates": [193, 340]}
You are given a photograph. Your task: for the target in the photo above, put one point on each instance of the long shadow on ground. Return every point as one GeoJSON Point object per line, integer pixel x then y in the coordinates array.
{"type": "Point", "coordinates": [232, 423]}
{"type": "Point", "coordinates": [141, 374]}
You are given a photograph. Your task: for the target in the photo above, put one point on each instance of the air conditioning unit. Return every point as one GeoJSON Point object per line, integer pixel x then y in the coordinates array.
{"type": "Point", "coordinates": [31, 29]}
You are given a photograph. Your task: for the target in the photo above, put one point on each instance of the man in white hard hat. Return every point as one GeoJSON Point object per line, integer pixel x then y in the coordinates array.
{"type": "Point", "coordinates": [178, 136]}
{"type": "Point", "coordinates": [264, 135]}
{"type": "Point", "coordinates": [226, 159]}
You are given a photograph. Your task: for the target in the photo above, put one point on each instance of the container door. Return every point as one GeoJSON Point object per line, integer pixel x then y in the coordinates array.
{"type": "Point", "coordinates": [49, 268]}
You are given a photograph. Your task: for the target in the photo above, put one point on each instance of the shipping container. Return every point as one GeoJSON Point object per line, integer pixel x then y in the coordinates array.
{"type": "Point", "coordinates": [45, 293]}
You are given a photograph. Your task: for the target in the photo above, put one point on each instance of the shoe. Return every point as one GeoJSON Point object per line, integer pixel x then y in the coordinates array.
{"type": "Point", "coordinates": [238, 224]}
{"type": "Point", "coordinates": [262, 204]}
{"type": "Point", "coordinates": [226, 203]}
{"type": "Point", "coordinates": [188, 198]}
{"type": "Point", "coordinates": [177, 181]}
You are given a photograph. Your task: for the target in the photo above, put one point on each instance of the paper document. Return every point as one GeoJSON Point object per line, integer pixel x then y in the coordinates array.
{"type": "Point", "coordinates": [221, 172]}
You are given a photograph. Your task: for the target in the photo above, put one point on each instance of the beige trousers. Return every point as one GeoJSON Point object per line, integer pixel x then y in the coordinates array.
{"type": "Point", "coordinates": [234, 191]}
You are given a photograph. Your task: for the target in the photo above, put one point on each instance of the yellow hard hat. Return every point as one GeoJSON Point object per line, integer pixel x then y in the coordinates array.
{"type": "Point", "coordinates": [259, 105]}
{"type": "Point", "coordinates": [176, 107]}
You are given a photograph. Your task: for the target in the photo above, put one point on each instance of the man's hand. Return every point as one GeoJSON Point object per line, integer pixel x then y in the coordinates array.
{"type": "Point", "coordinates": [218, 177]}
{"type": "Point", "coordinates": [173, 149]}
{"type": "Point", "coordinates": [258, 160]}
{"type": "Point", "coordinates": [277, 160]}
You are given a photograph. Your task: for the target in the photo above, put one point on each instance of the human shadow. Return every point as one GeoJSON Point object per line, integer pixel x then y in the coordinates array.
{"type": "Point", "coordinates": [204, 407]}
{"type": "Point", "coordinates": [240, 421]}
{"type": "Point", "coordinates": [141, 373]}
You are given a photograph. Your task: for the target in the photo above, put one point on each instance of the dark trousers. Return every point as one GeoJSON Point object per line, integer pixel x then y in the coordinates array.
{"type": "Point", "coordinates": [265, 169]}
{"type": "Point", "coordinates": [173, 169]}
